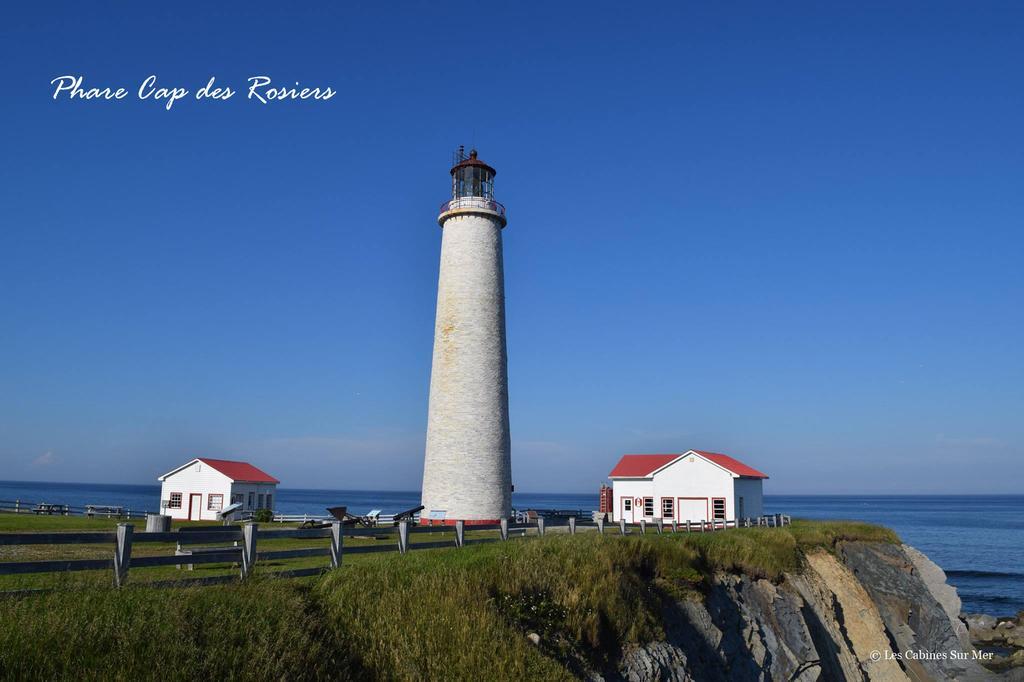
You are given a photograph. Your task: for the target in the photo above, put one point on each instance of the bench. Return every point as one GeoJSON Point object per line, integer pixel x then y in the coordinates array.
{"type": "Point", "coordinates": [229, 532]}
{"type": "Point", "coordinates": [103, 510]}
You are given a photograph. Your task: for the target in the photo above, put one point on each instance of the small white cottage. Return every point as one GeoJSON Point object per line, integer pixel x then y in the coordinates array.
{"type": "Point", "coordinates": [692, 486]}
{"type": "Point", "coordinates": [203, 487]}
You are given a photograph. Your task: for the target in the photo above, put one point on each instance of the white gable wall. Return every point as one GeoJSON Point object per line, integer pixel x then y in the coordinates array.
{"type": "Point", "coordinates": [195, 479]}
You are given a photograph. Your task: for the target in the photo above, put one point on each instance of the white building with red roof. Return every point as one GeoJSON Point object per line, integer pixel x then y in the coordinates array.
{"type": "Point", "coordinates": [201, 488]}
{"type": "Point", "coordinates": [692, 486]}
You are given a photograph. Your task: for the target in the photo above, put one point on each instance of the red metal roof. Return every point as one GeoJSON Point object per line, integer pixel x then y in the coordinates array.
{"type": "Point", "coordinates": [641, 466]}
{"type": "Point", "coordinates": [239, 471]}
{"type": "Point", "coordinates": [472, 161]}
{"type": "Point", "coordinates": [734, 465]}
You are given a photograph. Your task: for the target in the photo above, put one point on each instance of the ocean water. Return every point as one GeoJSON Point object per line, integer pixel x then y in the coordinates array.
{"type": "Point", "coordinates": [977, 540]}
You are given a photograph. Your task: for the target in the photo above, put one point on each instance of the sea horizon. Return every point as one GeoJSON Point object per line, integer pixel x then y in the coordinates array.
{"type": "Point", "coordinates": [97, 484]}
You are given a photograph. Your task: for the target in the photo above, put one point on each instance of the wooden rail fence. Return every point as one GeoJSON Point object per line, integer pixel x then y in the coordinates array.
{"type": "Point", "coordinates": [245, 554]}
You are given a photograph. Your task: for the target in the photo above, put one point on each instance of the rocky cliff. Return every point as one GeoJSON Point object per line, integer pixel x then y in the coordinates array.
{"type": "Point", "coordinates": [867, 611]}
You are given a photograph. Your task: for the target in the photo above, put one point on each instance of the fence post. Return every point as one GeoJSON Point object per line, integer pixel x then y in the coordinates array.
{"type": "Point", "coordinates": [660, 523]}
{"type": "Point", "coordinates": [17, 506]}
{"type": "Point", "coordinates": [600, 526]}
{"type": "Point", "coordinates": [540, 526]}
{"type": "Point", "coordinates": [572, 525]}
{"type": "Point", "coordinates": [504, 529]}
{"type": "Point", "coordinates": [337, 540]}
{"type": "Point", "coordinates": [403, 537]}
{"type": "Point", "coordinates": [123, 553]}
{"type": "Point", "coordinates": [675, 526]}
{"type": "Point", "coordinates": [460, 533]}
{"type": "Point", "coordinates": [249, 531]}
{"type": "Point", "coordinates": [622, 526]}
{"type": "Point", "coordinates": [643, 527]}
{"type": "Point", "coordinates": [687, 525]}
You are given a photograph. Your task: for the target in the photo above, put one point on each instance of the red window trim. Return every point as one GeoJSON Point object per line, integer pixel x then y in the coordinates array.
{"type": "Point", "coordinates": [651, 515]}
{"type": "Point", "coordinates": [209, 501]}
{"type": "Point", "coordinates": [725, 510]}
{"type": "Point", "coordinates": [673, 514]}
{"type": "Point", "coordinates": [181, 500]}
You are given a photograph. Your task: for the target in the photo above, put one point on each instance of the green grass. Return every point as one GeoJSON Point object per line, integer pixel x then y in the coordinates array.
{"type": "Point", "coordinates": [434, 614]}
{"type": "Point", "coordinates": [22, 523]}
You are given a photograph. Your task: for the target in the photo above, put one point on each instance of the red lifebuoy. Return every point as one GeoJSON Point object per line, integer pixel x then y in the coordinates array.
{"type": "Point", "coordinates": [638, 501]}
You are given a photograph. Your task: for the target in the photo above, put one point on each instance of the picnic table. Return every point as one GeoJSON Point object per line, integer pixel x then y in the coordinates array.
{"type": "Point", "coordinates": [49, 509]}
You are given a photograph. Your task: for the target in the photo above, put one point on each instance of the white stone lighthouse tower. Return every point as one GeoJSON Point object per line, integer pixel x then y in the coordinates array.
{"type": "Point", "coordinates": [467, 473]}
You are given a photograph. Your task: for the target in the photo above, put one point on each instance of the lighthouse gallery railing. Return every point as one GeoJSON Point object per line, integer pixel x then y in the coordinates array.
{"type": "Point", "coordinates": [473, 202]}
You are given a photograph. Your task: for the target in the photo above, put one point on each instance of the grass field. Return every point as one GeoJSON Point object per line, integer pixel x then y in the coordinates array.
{"type": "Point", "coordinates": [432, 614]}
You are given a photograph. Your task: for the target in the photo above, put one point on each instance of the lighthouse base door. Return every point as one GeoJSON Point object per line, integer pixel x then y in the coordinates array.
{"type": "Point", "coordinates": [691, 509]}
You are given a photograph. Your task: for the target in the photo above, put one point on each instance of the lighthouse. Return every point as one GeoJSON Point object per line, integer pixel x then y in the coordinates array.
{"type": "Point", "coordinates": [467, 471]}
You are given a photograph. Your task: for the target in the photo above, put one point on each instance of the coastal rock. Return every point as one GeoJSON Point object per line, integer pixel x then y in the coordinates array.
{"type": "Point", "coordinates": [977, 622]}
{"type": "Point", "coordinates": [753, 629]}
{"type": "Point", "coordinates": [655, 661]}
{"type": "Point", "coordinates": [913, 618]}
{"type": "Point", "coordinates": [1004, 636]}
{"type": "Point", "coordinates": [934, 579]}
{"type": "Point", "coordinates": [834, 620]}
{"type": "Point", "coordinates": [845, 603]}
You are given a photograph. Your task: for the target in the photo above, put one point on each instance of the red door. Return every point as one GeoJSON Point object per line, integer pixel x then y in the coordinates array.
{"type": "Point", "coordinates": [195, 506]}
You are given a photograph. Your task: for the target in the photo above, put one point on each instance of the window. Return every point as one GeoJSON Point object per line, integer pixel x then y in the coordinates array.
{"type": "Point", "coordinates": [237, 498]}
{"type": "Point", "coordinates": [667, 509]}
{"type": "Point", "coordinates": [175, 501]}
{"type": "Point", "coordinates": [214, 502]}
{"type": "Point", "coordinates": [741, 513]}
{"type": "Point", "coordinates": [627, 504]}
{"type": "Point", "coordinates": [718, 508]}
{"type": "Point", "coordinates": [261, 502]}
{"type": "Point", "coordinates": [252, 501]}
{"type": "Point", "coordinates": [648, 506]}
{"type": "Point", "coordinates": [270, 501]}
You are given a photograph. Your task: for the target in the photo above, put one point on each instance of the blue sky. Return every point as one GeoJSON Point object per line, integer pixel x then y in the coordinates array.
{"type": "Point", "coordinates": [790, 232]}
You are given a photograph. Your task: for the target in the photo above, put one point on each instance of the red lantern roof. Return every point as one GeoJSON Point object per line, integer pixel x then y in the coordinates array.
{"type": "Point", "coordinates": [472, 161]}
